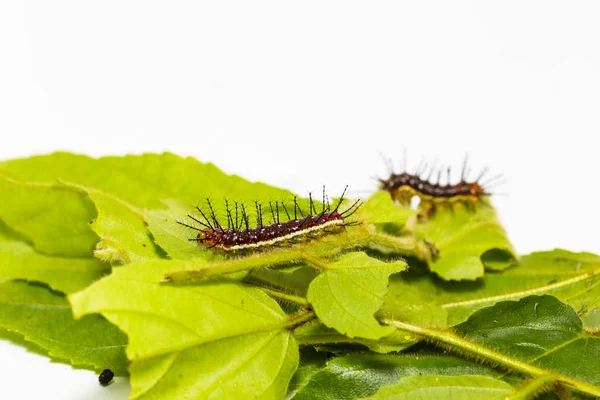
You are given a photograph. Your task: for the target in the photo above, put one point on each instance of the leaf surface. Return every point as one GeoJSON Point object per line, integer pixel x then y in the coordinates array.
{"type": "Point", "coordinates": [54, 218]}
{"type": "Point", "coordinates": [463, 238]}
{"type": "Point", "coordinates": [143, 181]}
{"type": "Point", "coordinates": [171, 326]}
{"type": "Point", "coordinates": [326, 338]}
{"type": "Point", "coordinates": [311, 361]}
{"type": "Point", "coordinates": [571, 277]}
{"type": "Point", "coordinates": [44, 317]}
{"type": "Point", "coordinates": [539, 330]}
{"type": "Point", "coordinates": [360, 375]}
{"type": "Point", "coordinates": [380, 209]}
{"type": "Point", "coordinates": [474, 387]}
{"type": "Point", "coordinates": [172, 237]}
{"type": "Point", "coordinates": [124, 235]}
{"type": "Point", "coordinates": [406, 303]}
{"type": "Point", "coordinates": [20, 261]}
{"type": "Point", "coordinates": [348, 294]}
{"type": "Point", "coordinates": [258, 365]}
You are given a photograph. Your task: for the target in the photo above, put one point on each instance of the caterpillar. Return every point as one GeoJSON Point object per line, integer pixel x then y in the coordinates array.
{"type": "Point", "coordinates": [404, 186]}
{"type": "Point", "coordinates": [238, 236]}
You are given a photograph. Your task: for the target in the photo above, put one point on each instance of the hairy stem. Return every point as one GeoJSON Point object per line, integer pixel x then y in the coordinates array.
{"type": "Point", "coordinates": [409, 245]}
{"type": "Point", "coordinates": [311, 254]}
{"type": "Point", "coordinates": [292, 298]}
{"type": "Point", "coordinates": [273, 259]}
{"type": "Point", "coordinates": [452, 341]}
{"type": "Point", "coordinates": [300, 318]}
{"type": "Point", "coordinates": [533, 387]}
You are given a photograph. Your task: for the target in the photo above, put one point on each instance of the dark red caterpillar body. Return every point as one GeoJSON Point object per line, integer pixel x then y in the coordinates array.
{"type": "Point", "coordinates": [404, 186]}
{"type": "Point", "coordinates": [238, 236]}
{"type": "Point", "coordinates": [421, 187]}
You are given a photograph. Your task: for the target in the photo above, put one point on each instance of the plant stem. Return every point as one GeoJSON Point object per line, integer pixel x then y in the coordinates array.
{"type": "Point", "coordinates": [301, 301]}
{"type": "Point", "coordinates": [300, 318]}
{"type": "Point", "coordinates": [533, 387]}
{"type": "Point", "coordinates": [272, 259]}
{"type": "Point", "coordinates": [313, 255]}
{"type": "Point", "coordinates": [408, 245]}
{"type": "Point", "coordinates": [451, 341]}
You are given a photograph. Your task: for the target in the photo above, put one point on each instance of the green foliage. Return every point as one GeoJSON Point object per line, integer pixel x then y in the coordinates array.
{"type": "Point", "coordinates": [18, 260]}
{"type": "Point", "coordinates": [54, 218]}
{"type": "Point", "coordinates": [446, 387]}
{"type": "Point", "coordinates": [571, 277]}
{"type": "Point", "coordinates": [257, 365]}
{"type": "Point", "coordinates": [123, 232]}
{"type": "Point", "coordinates": [380, 209]}
{"type": "Point", "coordinates": [169, 235]}
{"type": "Point", "coordinates": [370, 313]}
{"type": "Point", "coordinates": [347, 295]}
{"type": "Point", "coordinates": [143, 181]}
{"type": "Point", "coordinates": [44, 317]}
{"type": "Point", "coordinates": [361, 375]}
{"type": "Point", "coordinates": [539, 330]}
{"type": "Point", "coordinates": [538, 335]}
{"type": "Point", "coordinates": [173, 330]}
{"type": "Point", "coordinates": [463, 238]}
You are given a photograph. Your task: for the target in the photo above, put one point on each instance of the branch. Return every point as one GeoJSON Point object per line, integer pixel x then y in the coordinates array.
{"type": "Point", "coordinates": [453, 342]}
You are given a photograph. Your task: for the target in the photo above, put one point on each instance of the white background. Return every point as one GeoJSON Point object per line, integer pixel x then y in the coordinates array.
{"type": "Point", "coordinates": [301, 94]}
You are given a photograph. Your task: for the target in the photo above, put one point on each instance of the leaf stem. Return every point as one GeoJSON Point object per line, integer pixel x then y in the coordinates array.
{"type": "Point", "coordinates": [300, 318]}
{"type": "Point", "coordinates": [524, 293]}
{"type": "Point", "coordinates": [313, 255]}
{"type": "Point", "coordinates": [451, 341]}
{"type": "Point", "coordinates": [408, 245]}
{"type": "Point", "coordinates": [533, 387]}
{"type": "Point", "coordinates": [272, 259]}
{"type": "Point", "coordinates": [301, 301]}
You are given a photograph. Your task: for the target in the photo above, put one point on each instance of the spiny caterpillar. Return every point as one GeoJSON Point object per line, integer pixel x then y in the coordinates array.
{"type": "Point", "coordinates": [404, 186]}
{"type": "Point", "coordinates": [239, 236]}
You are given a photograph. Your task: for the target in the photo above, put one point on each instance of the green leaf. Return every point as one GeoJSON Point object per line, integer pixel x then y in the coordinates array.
{"type": "Point", "coordinates": [258, 365]}
{"type": "Point", "coordinates": [406, 303]}
{"type": "Point", "coordinates": [380, 209]}
{"type": "Point", "coordinates": [172, 237]}
{"type": "Point", "coordinates": [463, 238]}
{"type": "Point", "coordinates": [44, 317]}
{"type": "Point", "coordinates": [361, 375]}
{"type": "Point", "coordinates": [143, 181]}
{"type": "Point", "coordinates": [162, 318]}
{"type": "Point", "coordinates": [539, 330]}
{"type": "Point", "coordinates": [123, 232]}
{"type": "Point", "coordinates": [126, 189]}
{"type": "Point", "coordinates": [537, 336]}
{"type": "Point", "coordinates": [54, 218]}
{"type": "Point", "coordinates": [319, 335]}
{"type": "Point", "coordinates": [311, 361]}
{"type": "Point", "coordinates": [347, 294]}
{"type": "Point", "coordinates": [20, 261]}
{"type": "Point", "coordinates": [446, 387]}
{"type": "Point", "coordinates": [571, 277]}
{"type": "Point", "coordinates": [169, 327]}
{"type": "Point", "coordinates": [295, 280]}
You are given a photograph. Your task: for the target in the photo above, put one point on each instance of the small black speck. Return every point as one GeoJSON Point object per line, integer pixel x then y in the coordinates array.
{"type": "Point", "coordinates": [91, 222]}
{"type": "Point", "coordinates": [105, 377]}
{"type": "Point", "coordinates": [144, 244]}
